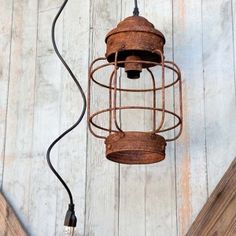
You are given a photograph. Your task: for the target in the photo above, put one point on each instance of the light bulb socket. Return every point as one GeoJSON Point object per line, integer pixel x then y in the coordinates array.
{"type": "Point", "coordinates": [133, 69]}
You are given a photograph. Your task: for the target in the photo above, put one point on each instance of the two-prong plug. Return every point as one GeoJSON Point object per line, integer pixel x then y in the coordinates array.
{"type": "Point", "coordinates": [70, 220]}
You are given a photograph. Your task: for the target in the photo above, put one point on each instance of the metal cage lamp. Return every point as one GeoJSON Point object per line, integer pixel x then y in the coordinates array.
{"type": "Point", "coordinates": [135, 46]}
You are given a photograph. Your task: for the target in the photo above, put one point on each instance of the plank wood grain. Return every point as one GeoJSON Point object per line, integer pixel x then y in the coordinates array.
{"type": "Point", "coordinates": [233, 2]}
{"type": "Point", "coordinates": [20, 116]}
{"type": "Point", "coordinates": [9, 223]}
{"type": "Point", "coordinates": [191, 163]}
{"type": "Point", "coordinates": [160, 177]}
{"type": "Point", "coordinates": [219, 72]}
{"type": "Point", "coordinates": [102, 175]}
{"type": "Point", "coordinates": [5, 53]}
{"type": "Point", "coordinates": [218, 216]}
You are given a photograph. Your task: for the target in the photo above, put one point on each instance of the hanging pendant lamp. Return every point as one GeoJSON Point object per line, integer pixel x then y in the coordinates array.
{"type": "Point", "coordinates": [134, 49]}
{"type": "Point", "coordinates": [134, 46]}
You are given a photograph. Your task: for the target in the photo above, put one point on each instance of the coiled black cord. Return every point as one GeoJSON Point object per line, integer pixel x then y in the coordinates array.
{"type": "Point", "coordinates": [83, 110]}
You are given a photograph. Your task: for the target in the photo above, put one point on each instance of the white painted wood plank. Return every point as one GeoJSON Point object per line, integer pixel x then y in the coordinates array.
{"type": "Point", "coordinates": [132, 177]}
{"type": "Point", "coordinates": [46, 5]}
{"type": "Point", "coordinates": [102, 175]}
{"type": "Point", "coordinates": [46, 129]}
{"type": "Point", "coordinates": [72, 150]}
{"type": "Point", "coordinates": [5, 51]}
{"type": "Point", "coordinates": [218, 58]}
{"type": "Point", "coordinates": [18, 155]}
{"type": "Point", "coordinates": [191, 165]}
{"type": "Point", "coordinates": [233, 6]}
{"type": "Point", "coordinates": [160, 177]}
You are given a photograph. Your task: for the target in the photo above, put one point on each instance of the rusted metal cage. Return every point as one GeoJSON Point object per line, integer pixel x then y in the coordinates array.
{"type": "Point", "coordinates": [136, 46]}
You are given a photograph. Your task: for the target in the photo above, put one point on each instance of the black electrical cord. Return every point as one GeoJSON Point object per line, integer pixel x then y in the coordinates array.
{"type": "Point", "coordinates": [70, 216]}
{"type": "Point", "coordinates": [136, 10]}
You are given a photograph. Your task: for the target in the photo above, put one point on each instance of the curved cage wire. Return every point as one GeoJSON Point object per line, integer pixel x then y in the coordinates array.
{"type": "Point", "coordinates": [112, 125]}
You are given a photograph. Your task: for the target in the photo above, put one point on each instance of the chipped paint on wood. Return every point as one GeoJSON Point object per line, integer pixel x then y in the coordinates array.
{"type": "Point", "coordinates": [190, 148]}
{"type": "Point", "coordinates": [183, 178]}
{"type": "Point", "coordinates": [219, 82]}
{"type": "Point", "coordinates": [102, 186]}
{"type": "Point", "coordinates": [185, 207]}
{"type": "Point", "coordinates": [5, 54]}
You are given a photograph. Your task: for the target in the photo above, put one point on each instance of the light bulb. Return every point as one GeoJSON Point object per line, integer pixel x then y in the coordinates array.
{"type": "Point", "coordinates": [69, 231]}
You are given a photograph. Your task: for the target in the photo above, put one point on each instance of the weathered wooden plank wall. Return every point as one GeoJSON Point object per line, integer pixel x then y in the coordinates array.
{"type": "Point", "coordinates": [16, 182]}
{"type": "Point", "coordinates": [38, 101]}
{"type": "Point", "coordinates": [5, 52]}
{"type": "Point", "coordinates": [102, 176]}
{"type": "Point", "coordinates": [191, 162]}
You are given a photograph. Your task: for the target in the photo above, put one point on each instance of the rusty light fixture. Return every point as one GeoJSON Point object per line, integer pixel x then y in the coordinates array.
{"type": "Point", "coordinates": [137, 48]}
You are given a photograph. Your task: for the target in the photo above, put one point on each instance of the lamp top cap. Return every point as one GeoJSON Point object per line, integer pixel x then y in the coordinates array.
{"type": "Point", "coordinates": [135, 24]}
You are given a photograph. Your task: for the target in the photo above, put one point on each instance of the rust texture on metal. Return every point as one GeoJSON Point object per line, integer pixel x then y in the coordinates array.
{"type": "Point", "coordinates": [135, 148]}
{"type": "Point", "coordinates": [135, 45]}
{"type": "Point", "coordinates": [133, 70]}
{"type": "Point", "coordinates": [135, 36]}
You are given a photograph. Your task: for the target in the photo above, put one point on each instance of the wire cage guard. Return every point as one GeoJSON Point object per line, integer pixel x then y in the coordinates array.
{"type": "Point", "coordinates": [127, 150]}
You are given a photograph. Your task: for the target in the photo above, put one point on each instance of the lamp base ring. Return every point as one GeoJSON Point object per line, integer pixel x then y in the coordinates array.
{"type": "Point", "coordinates": [135, 148]}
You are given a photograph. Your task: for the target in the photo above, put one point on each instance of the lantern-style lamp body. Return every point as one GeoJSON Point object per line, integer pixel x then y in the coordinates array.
{"type": "Point", "coordinates": [135, 49]}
